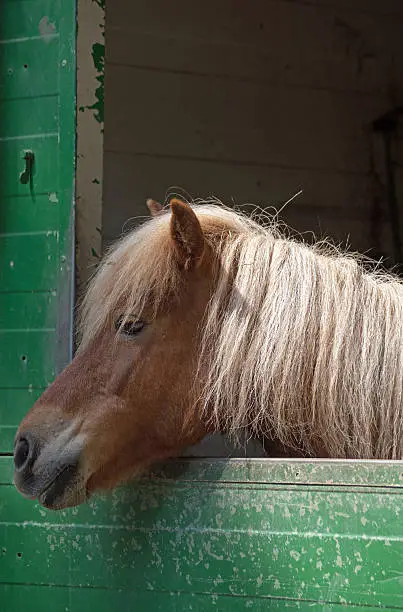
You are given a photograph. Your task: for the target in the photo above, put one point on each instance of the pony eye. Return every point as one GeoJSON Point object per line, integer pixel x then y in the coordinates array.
{"type": "Point", "coordinates": [128, 327]}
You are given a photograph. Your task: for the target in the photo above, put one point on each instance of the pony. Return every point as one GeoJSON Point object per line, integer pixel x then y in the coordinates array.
{"type": "Point", "coordinates": [204, 320]}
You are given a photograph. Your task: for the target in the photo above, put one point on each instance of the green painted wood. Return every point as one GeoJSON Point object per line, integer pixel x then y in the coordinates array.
{"type": "Point", "coordinates": [27, 358]}
{"type": "Point", "coordinates": [207, 529]}
{"type": "Point", "coordinates": [37, 308]}
{"type": "Point", "coordinates": [29, 262]}
{"type": "Point", "coordinates": [22, 61]}
{"type": "Point", "coordinates": [21, 18]}
{"type": "Point", "coordinates": [359, 474]}
{"type": "Point", "coordinates": [71, 600]}
{"type": "Point", "coordinates": [6, 472]}
{"type": "Point", "coordinates": [37, 113]}
{"type": "Point", "coordinates": [41, 111]}
{"type": "Point", "coordinates": [47, 165]}
{"type": "Point", "coordinates": [14, 400]}
{"type": "Point", "coordinates": [14, 404]}
{"type": "Point", "coordinates": [15, 217]}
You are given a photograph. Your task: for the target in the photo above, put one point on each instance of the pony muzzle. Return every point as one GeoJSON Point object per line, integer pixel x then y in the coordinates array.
{"type": "Point", "coordinates": [50, 472]}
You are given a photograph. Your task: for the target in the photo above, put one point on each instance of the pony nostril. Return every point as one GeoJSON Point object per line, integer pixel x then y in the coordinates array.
{"type": "Point", "coordinates": [21, 453]}
{"type": "Point", "coordinates": [24, 453]}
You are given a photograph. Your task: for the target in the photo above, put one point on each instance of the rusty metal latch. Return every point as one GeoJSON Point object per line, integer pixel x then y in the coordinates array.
{"type": "Point", "coordinates": [27, 174]}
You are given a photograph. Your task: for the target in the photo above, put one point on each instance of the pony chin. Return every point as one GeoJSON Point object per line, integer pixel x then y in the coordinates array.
{"type": "Point", "coordinates": [107, 478]}
{"type": "Point", "coordinates": [70, 500]}
{"type": "Point", "coordinates": [75, 494]}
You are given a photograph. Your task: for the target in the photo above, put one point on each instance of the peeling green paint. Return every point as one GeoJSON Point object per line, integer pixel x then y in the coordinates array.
{"type": "Point", "coordinates": [94, 253]}
{"type": "Point", "coordinates": [98, 58]}
{"type": "Point", "coordinates": [264, 533]}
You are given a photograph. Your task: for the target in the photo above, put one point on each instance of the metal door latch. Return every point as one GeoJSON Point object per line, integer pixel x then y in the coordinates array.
{"type": "Point", "coordinates": [27, 174]}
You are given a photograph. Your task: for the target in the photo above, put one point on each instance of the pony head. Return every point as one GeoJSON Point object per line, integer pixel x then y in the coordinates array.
{"type": "Point", "coordinates": [130, 395]}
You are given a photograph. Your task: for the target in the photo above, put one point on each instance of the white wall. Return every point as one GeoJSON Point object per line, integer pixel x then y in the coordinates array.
{"type": "Point", "coordinates": [251, 102]}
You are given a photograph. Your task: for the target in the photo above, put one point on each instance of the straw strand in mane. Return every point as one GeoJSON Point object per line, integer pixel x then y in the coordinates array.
{"type": "Point", "coordinates": [299, 343]}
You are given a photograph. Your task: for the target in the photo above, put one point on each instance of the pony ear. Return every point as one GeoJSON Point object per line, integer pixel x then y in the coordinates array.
{"type": "Point", "coordinates": [187, 234]}
{"type": "Point", "coordinates": [154, 207]}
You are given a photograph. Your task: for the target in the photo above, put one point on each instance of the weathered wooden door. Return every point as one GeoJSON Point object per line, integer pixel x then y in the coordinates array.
{"type": "Point", "coordinates": [37, 141]}
{"type": "Point", "coordinates": [223, 536]}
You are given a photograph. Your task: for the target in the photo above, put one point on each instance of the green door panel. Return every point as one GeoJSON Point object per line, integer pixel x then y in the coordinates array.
{"type": "Point", "coordinates": [17, 214]}
{"type": "Point", "coordinates": [37, 113]}
{"type": "Point", "coordinates": [22, 61]}
{"type": "Point", "coordinates": [29, 261]}
{"type": "Point", "coordinates": [40, 309]}
{"type": "Point", "coordinates": [71, 600]}
{"type": "Point", "coordinates": [219, 533]}
{"type": "Point", "coordinates": [22, 19]}
{"type": "Point", "coordinates": [46, 168]}
{"type": "Point", "coordinates": [14, 404]}
{"type": "Point", "coordinates": [40, 110]}
{"type": "Point", "coordinates": [27, 358]}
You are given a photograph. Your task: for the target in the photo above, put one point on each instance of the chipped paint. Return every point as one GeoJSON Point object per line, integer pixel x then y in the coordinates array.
{"type": "Point", "coordinates": [47, 29]}
{"type": "Point", "coordinates": [90, 100]}
{"type": "Point", "coordinates": [177, 533]}
{"type": "Point", "coordinates": [98, 56]}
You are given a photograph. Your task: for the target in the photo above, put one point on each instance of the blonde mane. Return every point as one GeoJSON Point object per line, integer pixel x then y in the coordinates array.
{"type": "Point", "coordinates": [300, 343]}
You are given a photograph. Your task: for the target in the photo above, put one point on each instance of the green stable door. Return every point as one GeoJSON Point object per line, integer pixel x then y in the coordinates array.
{"type": "Point", "coordinates": [37, 140]}
{"type": "Point", "coordinates": [199, 535]}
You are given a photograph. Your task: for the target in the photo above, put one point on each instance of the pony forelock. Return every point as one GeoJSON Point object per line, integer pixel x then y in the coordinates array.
{"type": "Point", "coordinates": [141, 270]}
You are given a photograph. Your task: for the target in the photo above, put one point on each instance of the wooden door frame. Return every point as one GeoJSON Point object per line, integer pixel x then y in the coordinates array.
{"type": "Point", "coordinates": [90, 131]}
{"type": "Point", "coordinates": [67, 147]}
